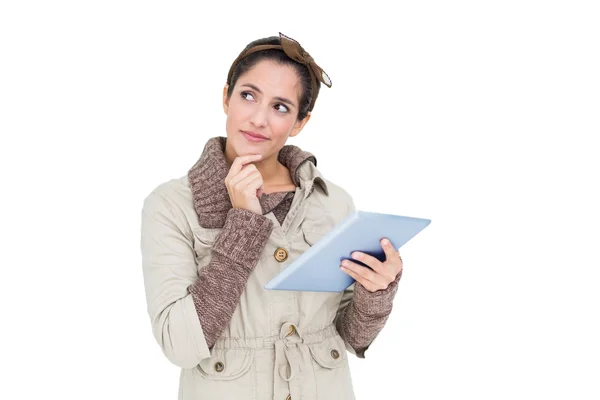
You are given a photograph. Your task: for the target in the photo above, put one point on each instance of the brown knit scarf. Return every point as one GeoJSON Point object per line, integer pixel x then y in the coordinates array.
{"type": "Point", "coordinates": [207, 182]}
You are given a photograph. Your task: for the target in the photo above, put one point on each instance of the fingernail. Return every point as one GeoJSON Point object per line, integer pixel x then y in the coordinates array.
{"type": "Point", "coordinates": [385, 241]}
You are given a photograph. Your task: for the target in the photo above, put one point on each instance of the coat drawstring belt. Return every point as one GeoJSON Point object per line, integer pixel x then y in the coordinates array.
{"type": "Point", "coordinates": [292, 353]}
{"type": "Point", "coordinates": [293, 372]}
{"type": "Point", "coordinates": [287, 370]}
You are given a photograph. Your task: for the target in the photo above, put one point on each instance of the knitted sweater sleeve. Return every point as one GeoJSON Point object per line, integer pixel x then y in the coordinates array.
{"type": "Point", "coordinates": [217, 291]}
{"type": "Point", "coordinates": [362, 314]}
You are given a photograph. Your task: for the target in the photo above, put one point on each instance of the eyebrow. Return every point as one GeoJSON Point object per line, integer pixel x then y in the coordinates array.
{"type": "Point", "coordinates": [281, 99]}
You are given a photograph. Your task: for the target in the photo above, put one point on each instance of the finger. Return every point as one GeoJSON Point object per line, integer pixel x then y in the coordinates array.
{"type": "Point", "coordinates": [239, 162]}
{"type": "Point", "coordinates": [366, 283]}
{"type": "Point", "coordinates": [260, 185]}
{"type": "Point", "coordinates": [369, 275]}
{"type": "Point", "coordinates": [248, 171]}
{"type": "Point", "coordinates": [251, 185]}
{"type": "Point", "coordinates": [391, 254]}
{"type": "Point", "coordinates": [371, 261]}
{"type": "Point", "coordinates": [241, 174]}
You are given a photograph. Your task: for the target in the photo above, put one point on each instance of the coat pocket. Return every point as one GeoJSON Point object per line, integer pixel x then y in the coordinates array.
{"type": "Point", "coordinates": [312, 237]}
{"type": "Point", "coordinates": [330, 353]}
{"type": "Point", "coordinates": [227, 374]}
{"type": "Point", "coordinates": [332, 373]}
{"type": "Point", "coordinates": [226, 364]}
{"type": "Point", "coordinates": [316, 224]}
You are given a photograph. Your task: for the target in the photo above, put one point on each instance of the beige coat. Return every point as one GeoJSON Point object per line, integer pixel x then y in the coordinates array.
{"type": "Point", "coordinates": [279, 344]}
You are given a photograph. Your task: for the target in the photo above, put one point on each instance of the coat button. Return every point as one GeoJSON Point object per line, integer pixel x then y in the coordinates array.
{"type": "Point", "coordinates": [281, 254]}
{"type": "Point", "coordinates": [219, 366]}
{"type": "Point", "coordinates": [335, 354]}
{"type": "Point", "coordinates": [291, 331]}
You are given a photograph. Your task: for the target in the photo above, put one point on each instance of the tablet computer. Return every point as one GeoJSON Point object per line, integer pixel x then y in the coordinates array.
{"type": "Point", "coordinates": [318, 268]}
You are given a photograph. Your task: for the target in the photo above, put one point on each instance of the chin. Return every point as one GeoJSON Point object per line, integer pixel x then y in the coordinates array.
{"type": "Point", "coordinates": [243, 147]}
{"type": "Point", "coordinates": [240, 146]}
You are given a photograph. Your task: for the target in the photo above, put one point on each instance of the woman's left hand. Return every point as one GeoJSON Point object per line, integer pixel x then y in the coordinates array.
{"type": "Point", "coordinates": [381, 274]}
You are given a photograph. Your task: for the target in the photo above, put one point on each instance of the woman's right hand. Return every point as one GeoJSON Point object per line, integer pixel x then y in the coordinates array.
{"type": "Point", "coordinates": [245, 184]}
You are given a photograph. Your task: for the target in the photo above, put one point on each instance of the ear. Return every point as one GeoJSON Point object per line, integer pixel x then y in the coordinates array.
{"type": "Point", "coordinates": [299, 125]}
{"type": "Point", "coordinates": [225, 99]}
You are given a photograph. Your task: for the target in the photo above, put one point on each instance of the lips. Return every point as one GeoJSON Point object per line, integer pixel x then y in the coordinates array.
{"type": "Point", "coordinates": [255, 135]}
{"type": "Point", "coordinates": [249, 136]}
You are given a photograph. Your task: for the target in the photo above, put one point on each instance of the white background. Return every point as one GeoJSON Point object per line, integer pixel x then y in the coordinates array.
{"type": "Point", "coordinates": [481, 116]}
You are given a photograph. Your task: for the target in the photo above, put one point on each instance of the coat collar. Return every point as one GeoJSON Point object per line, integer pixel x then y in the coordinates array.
{"type": "Point", "coordinates": [207, 179]}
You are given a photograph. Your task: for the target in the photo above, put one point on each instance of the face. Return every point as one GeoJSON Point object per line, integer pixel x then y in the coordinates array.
{"type": "Point", "coordinates": [264, 102]}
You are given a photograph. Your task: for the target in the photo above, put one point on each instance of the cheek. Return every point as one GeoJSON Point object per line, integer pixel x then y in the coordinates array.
{"type": "Point", "coordinates": [237, 114]}
{"type": "Point", "coordinates": [281, 126]}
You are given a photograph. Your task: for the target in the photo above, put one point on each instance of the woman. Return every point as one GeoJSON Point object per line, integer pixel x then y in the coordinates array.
{"type": "Point", "coordinates": [248, 207]}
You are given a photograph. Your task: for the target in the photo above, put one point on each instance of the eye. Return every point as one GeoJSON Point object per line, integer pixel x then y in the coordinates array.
{"type": "Point", "coordinates": [284, 110]}
{"type": "Point", "coordinates": [244, 94]}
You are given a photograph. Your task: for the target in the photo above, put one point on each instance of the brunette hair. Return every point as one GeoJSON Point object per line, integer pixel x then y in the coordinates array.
{"type": "Point", "coordinates": [246, 63]}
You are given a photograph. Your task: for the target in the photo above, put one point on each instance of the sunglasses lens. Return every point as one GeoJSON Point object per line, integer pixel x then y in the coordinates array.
{"type": "Point", "coordinates": [325, 78]}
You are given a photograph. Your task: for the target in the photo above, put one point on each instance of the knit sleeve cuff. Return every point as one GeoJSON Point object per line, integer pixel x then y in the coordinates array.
{"type": "Point", "coordinates": [376, 304]}
{"type": "Point", "coordinates": [243, 237]}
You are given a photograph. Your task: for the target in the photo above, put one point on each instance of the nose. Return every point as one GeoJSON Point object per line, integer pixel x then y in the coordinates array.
{"type": "Point", "coordinates": [259, 117]}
